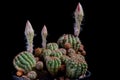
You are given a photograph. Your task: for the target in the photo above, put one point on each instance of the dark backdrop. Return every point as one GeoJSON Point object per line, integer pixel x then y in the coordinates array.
{"type": "Point", "coordinates": [57, 16]}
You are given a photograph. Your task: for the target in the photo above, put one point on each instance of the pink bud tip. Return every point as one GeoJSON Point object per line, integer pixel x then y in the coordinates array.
{"type": "Point", "coordinates": [28, 28]}
{"type": "Point", "coordinates": [44, 31]}
{"type": "Point", "coordinates": [79, 9]}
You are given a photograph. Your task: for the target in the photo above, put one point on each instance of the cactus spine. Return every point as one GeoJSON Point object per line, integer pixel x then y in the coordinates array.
{"type": "Point", "coordinates": [24, 61]}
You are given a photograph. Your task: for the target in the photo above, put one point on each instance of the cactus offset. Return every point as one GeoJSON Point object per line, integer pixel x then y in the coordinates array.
{"type": "Point", "coordinates": [32, 75]}
{"type": "Point", "coordinates": [24, 61]}
{"type": "Point", "coordinates": [39, 65]}
{"type": "Point", "coordinates": [53, 64]}
{"type": "Point", "coordinates": [52, 46]}
{"type": "Point", "coordinates": [63, 51]}
{"type": "Point", "coordinates": [46, 52]}
{"type": "Point", "coordinates": [71, 39]}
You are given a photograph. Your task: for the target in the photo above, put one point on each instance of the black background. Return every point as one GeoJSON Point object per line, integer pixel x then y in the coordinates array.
{"type": "Point", "coordinates": [57, 16]}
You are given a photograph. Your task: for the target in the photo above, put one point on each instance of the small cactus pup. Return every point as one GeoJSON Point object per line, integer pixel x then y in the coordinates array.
{"type": "Point", "coordinates": [44, 34]}
{"type": "Point", "coordinates": [32, 75]}
{"type": "Point", "coordinates": [38, 52]}
{"type": "Point", "coordinates": [29, 34]}
{"type": "Point", "coordinates": [39, 65]}
{"type": "Point", "coordinates": [46, 52]}
{"type": "Point", "coordinates": [69, 41]}
{"type": "Point", "coordinates": [63, 51]}
{"type": "Point", "coordinates": [52, 46]}
{"type": "Point", "coordinates": [81, 50]}
{"type": "Point", "coordinates": [53, 65]}
{"type": "Point", "coordinates": [24, 61]}
{"type": "Point", "coordinates": [75, 68]}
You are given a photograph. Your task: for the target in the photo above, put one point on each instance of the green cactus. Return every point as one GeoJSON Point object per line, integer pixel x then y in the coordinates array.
{"type": "Point", "coordinates": [32, 75]}
{"type": "Point", "coordinates": [52, 46]}
{"type": "Point", "coordinates": [69, 38]}
{"type": "Point", "coordinates": [46, 52]}
{"type": "Point", "coordinates": [24, 61]}
{"type": "Point", "coordinates": [76, 68]}
{"type": "Point", "coordinates": [53, 64]}
{"type": "Point", "coordinates": [56, 53]}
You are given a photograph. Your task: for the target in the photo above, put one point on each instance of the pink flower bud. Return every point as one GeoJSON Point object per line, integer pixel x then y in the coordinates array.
{"type": "Point", "coordinates": [79, 10]}
{"type": "Point", "coordinates": [44, 31]}
{"type": "Point", "coordinates": [28, 28]}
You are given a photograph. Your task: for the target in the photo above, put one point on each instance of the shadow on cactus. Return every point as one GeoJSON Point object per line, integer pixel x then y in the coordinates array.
{"type": "Point", "coordinates": [63, 59]}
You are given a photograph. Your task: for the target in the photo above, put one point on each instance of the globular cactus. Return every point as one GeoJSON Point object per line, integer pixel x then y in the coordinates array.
{"type": "Point", "coordinates": [69, 39]}
{"type": "Point", "coordinates": [32, 75]}
{"type": "Point", "coordinates": [56, 53]}
{"type": "Point", "coordinates": [24, 61]}
{"type": "Point", "coordinates": [52, 46]}
{"type": "Point", "coordinates": [76, 68]}
{"type": "Point", "coordinates": [39, 65]}
{"type": "Point", "coordinates": [63, 51]}
{"type": "Point", "coordinates": [53, 65]}
{"type": "Point", "coordinates": [46, 52]}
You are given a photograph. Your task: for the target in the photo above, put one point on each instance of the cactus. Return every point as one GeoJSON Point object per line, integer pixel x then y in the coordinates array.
{"type": "Point", "coordinates": [71, 39]}
{"type": "Point", "coordinates": [24, 61]}
{"type": "Point", "coordinates": [63, 51]}
{"type": "Point", "coordinates": [53, 64]}
{"type": "Point", "coordinates": [46, 52]}
{"type": "Point", "coordinates": [56, 53]}
{"type": "Point", "coordinates": [64, 59]}
{"type": "Point", "coordinates": [75, 68]}
{"type": "Point", "coordinates": [52, 46]}
{"type": "Point", "coordinates": [39, 65]}
{"type": "Point", "coordinates": [32, 75]}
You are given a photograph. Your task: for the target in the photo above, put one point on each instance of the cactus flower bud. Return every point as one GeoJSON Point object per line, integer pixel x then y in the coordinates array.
{"type": "Point", "coordinates": [44, 34]}
{"type": "Point", "coordinates": [29, 33]}
{"type": "Point", "coordinates": [78, 19]}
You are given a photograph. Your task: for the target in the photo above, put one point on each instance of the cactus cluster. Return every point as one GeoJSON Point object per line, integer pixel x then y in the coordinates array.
{"type": "Point", "coordinates": [67, 52]}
